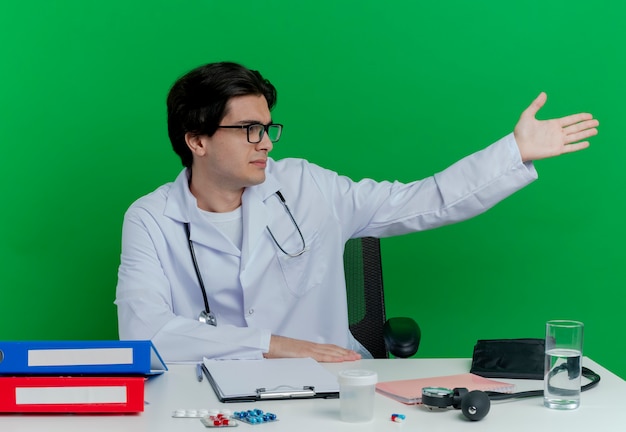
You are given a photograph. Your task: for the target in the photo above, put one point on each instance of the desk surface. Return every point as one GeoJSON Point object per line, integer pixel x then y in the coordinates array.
{"type": "Point", "coordinates": [178, 388]}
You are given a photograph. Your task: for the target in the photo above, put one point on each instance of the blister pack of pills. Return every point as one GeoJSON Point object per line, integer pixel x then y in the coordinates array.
{"type": "Point", "coordinates": [225, 418]}
{"type": "Point", "coordinates": [199, 413]}
{"type": "Point", "coordinates": [218, 420]}
{"type": "Point", "coordinates": [255, 416]}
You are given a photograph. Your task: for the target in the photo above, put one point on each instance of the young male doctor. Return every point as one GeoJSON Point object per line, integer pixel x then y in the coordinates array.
{"type": "Point", "coordinates": [242, 256]}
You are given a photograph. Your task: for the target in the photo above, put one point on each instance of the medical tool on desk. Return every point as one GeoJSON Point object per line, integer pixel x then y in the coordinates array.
{"type": "Point", "coordinates": [475, 405]}
{"type": "Point", "coordinates": [208, 317]}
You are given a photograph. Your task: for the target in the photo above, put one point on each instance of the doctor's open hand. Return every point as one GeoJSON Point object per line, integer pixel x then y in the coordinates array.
{"type": "Point", "coordinates": [540, 139]}
{"type": "Point", "coordinates": [281, 347]}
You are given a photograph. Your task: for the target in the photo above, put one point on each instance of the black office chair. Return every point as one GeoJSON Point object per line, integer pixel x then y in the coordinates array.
{"type": "Point", "coordinates": [366, 304]}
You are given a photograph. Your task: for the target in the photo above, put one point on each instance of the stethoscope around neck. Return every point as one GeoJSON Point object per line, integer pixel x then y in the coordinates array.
{"type": "Point", "coordinates": [208, 317]}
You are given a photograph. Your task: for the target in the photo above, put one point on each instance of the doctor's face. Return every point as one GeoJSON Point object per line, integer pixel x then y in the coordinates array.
{"type": "Point", "coordinates": [231, 161]}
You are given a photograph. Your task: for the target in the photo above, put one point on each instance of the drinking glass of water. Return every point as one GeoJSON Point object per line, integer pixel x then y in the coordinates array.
{"type": "Point", "coordinates": [563, 366]}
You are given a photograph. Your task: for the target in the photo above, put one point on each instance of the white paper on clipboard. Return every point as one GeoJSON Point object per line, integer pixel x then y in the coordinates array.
{"type": "Point", "coordinates": [283, 378]}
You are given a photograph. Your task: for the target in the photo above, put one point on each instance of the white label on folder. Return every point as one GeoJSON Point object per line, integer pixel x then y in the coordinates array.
{"type": "Point", "coordinates": [76, 357]}
{"type": "Point", "coordinates": [70, 395]}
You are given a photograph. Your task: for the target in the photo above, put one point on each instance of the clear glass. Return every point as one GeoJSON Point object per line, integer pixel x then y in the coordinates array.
{"type": "Point", "coordinates": [563, 364]}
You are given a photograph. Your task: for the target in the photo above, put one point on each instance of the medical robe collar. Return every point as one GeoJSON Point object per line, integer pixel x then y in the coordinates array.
{"type": "Point", "coordinates": [182, 206]}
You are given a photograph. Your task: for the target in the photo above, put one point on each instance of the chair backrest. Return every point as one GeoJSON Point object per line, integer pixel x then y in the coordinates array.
{"type": "Point", "coordinates": [364, 287]}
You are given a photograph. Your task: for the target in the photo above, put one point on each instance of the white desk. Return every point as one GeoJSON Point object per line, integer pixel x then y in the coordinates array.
{"type": "Point", "coordinates": [178, 388]}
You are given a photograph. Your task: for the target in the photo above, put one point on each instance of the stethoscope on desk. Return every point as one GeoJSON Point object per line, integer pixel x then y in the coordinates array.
{"type": "Point", "coordinates": [476, 404]}
{"type": "Point", "coordinates": [208, 317]}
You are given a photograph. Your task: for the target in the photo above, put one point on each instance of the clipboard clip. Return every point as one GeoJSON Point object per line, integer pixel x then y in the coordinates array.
{"type": "Point", "coordinates": [277, 393]}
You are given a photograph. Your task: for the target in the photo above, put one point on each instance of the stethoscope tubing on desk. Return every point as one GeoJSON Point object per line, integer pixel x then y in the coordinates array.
{"type": "Point", "coordinates": [586, 372]}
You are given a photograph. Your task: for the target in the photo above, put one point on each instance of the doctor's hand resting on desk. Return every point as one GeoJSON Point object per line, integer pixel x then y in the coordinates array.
{"type": "Point", "coordinates": [241, 256]}
{"type": "Point", "coordinates": [287, 347]}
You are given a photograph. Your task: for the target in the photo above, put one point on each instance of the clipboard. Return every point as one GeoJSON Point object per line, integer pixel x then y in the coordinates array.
{"type": "Point", "coordinates": [269, 379]}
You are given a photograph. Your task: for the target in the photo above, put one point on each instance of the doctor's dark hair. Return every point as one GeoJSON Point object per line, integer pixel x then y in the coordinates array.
{"type": "Point", "coordinates": [197, 101]}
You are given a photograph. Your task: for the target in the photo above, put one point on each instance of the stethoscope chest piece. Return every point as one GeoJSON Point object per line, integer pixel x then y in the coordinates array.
{"type": "Point", "coordinates": [207, 318]}
{"type": "Point", "coordinates": [474, 404]}
{"type": "Point", "coordinates": [439, 397]}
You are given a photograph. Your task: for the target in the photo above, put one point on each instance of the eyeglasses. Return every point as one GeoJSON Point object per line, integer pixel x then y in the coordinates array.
{"type": "Point", "coordinates": [257, 130]}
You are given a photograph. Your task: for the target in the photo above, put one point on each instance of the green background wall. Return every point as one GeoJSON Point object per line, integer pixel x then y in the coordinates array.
{"type": "Point", "coordinates": [389, 90]}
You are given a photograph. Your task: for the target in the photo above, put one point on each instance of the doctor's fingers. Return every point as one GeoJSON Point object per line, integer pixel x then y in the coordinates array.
{"type": "Point", "coordinates": [332, 353]}
{"type": "Point", "coordinates": [579, 131]}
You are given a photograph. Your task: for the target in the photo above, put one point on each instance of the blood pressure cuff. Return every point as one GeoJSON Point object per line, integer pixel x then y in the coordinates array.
{"type": "Point", "coordinates": [509, 358]}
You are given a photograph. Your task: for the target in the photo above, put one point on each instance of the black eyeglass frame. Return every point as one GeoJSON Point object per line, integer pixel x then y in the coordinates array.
{"type": "Point", "coordinates": [266, 130]}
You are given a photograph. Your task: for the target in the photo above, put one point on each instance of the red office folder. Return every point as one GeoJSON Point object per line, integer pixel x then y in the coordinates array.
{"type": "Point", "coordinates": [71, 394]}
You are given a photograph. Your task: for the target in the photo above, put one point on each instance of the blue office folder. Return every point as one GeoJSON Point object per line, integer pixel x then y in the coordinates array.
{"type": "Point", "coordinates": [114, 357]}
